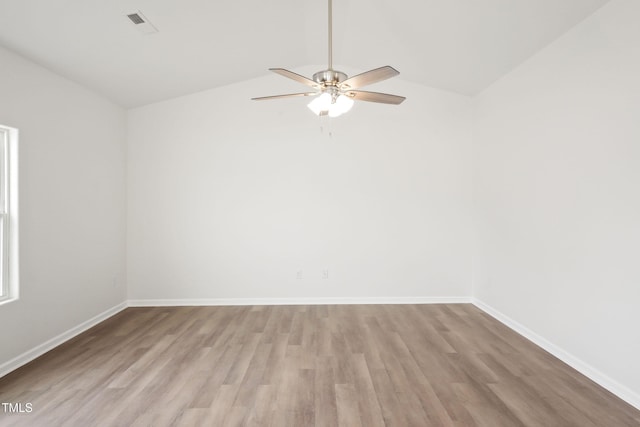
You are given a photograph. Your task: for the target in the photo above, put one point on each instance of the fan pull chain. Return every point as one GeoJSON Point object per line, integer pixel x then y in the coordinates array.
{"type": "Point", "coordinates": [325, 124]}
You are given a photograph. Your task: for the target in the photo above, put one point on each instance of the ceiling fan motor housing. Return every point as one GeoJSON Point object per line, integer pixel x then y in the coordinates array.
{"type": "Point", "coordinates": [329, 77]}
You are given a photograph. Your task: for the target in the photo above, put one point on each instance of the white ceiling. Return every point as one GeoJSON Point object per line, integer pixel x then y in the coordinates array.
{"type": "Point", "coordinates": [457, 45]}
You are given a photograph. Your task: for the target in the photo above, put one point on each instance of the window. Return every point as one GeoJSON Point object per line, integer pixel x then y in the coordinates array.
{"type": "Point", "coordinates": [8, 214]}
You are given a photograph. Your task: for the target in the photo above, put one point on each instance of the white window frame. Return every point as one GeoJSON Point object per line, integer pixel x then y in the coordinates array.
{"type": "Point", "coordinates": [8, 214]}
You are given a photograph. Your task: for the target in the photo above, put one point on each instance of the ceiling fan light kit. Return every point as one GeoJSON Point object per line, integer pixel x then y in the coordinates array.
{"type": "Point", "coordinates": [325, 104]}
{"type": "Point", "coordinates": [336, 90]}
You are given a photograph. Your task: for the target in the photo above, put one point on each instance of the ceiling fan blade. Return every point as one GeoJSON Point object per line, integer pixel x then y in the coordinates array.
{"type": "Point", "coordinates": [383, 98]}
{"type": "Point", "coordinates": [295, 76]}
{"type": "Point", "coordinates": [289, 95]}
{"type": "Point", "coordinates": [369, 77]}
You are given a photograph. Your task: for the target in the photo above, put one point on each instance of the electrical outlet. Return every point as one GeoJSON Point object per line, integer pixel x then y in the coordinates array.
{"type": "Point", "coordinates": [325, 274]}
{"type": "Point", "coordinates": [299, 275]}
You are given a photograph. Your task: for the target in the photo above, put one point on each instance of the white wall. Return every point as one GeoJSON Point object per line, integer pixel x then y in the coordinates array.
{"type": "Point", "coordinates": [557, 194]}
{"type": "Point", "coordinates": [72, 203]}
{"type": "Point", "coordinates": [230, 198]}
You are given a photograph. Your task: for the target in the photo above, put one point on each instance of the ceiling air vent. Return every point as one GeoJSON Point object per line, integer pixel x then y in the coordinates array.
{"type": "Point", "coordinates": [136, 19]}
{"type": "Point", "coordinates": [141, 23]}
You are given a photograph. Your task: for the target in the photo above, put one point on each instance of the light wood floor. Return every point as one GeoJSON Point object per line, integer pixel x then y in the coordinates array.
{"type": "Point", "coordinates": [375, 365]}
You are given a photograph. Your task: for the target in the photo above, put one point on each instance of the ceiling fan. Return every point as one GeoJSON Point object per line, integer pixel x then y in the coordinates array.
{"type": "Point", "coordinates": [336, 90]}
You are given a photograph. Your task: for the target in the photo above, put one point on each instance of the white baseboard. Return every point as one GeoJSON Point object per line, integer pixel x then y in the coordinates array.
{"type": "Point", "coordinates": [41, 349]}
{"type": "Point", "coordinates": [294, 301]}
{"type": "Point", "coordinates": [585, 369]}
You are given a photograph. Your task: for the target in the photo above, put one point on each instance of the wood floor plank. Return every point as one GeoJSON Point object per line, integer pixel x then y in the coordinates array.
{"type": "Point", "coordinates": [347, 402]}
{"type": "Point", "coordinates": [335, 365]}
{"type": "Point", "coordinates": [261, 413]}
{"type": "Point", "coordinates": [370, 411]}
{"type": "Point", "coordinates": [325, 394]}
{"type": "Point", "coordinates": [390, 401]}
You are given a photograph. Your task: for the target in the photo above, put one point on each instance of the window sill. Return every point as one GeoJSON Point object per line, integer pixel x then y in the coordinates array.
{"type": "Point", "coordinates": [8, 300]}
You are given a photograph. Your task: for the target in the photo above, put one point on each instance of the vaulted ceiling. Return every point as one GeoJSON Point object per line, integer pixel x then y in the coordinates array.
{"type": "Point", "coordinates": [457, 45]}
